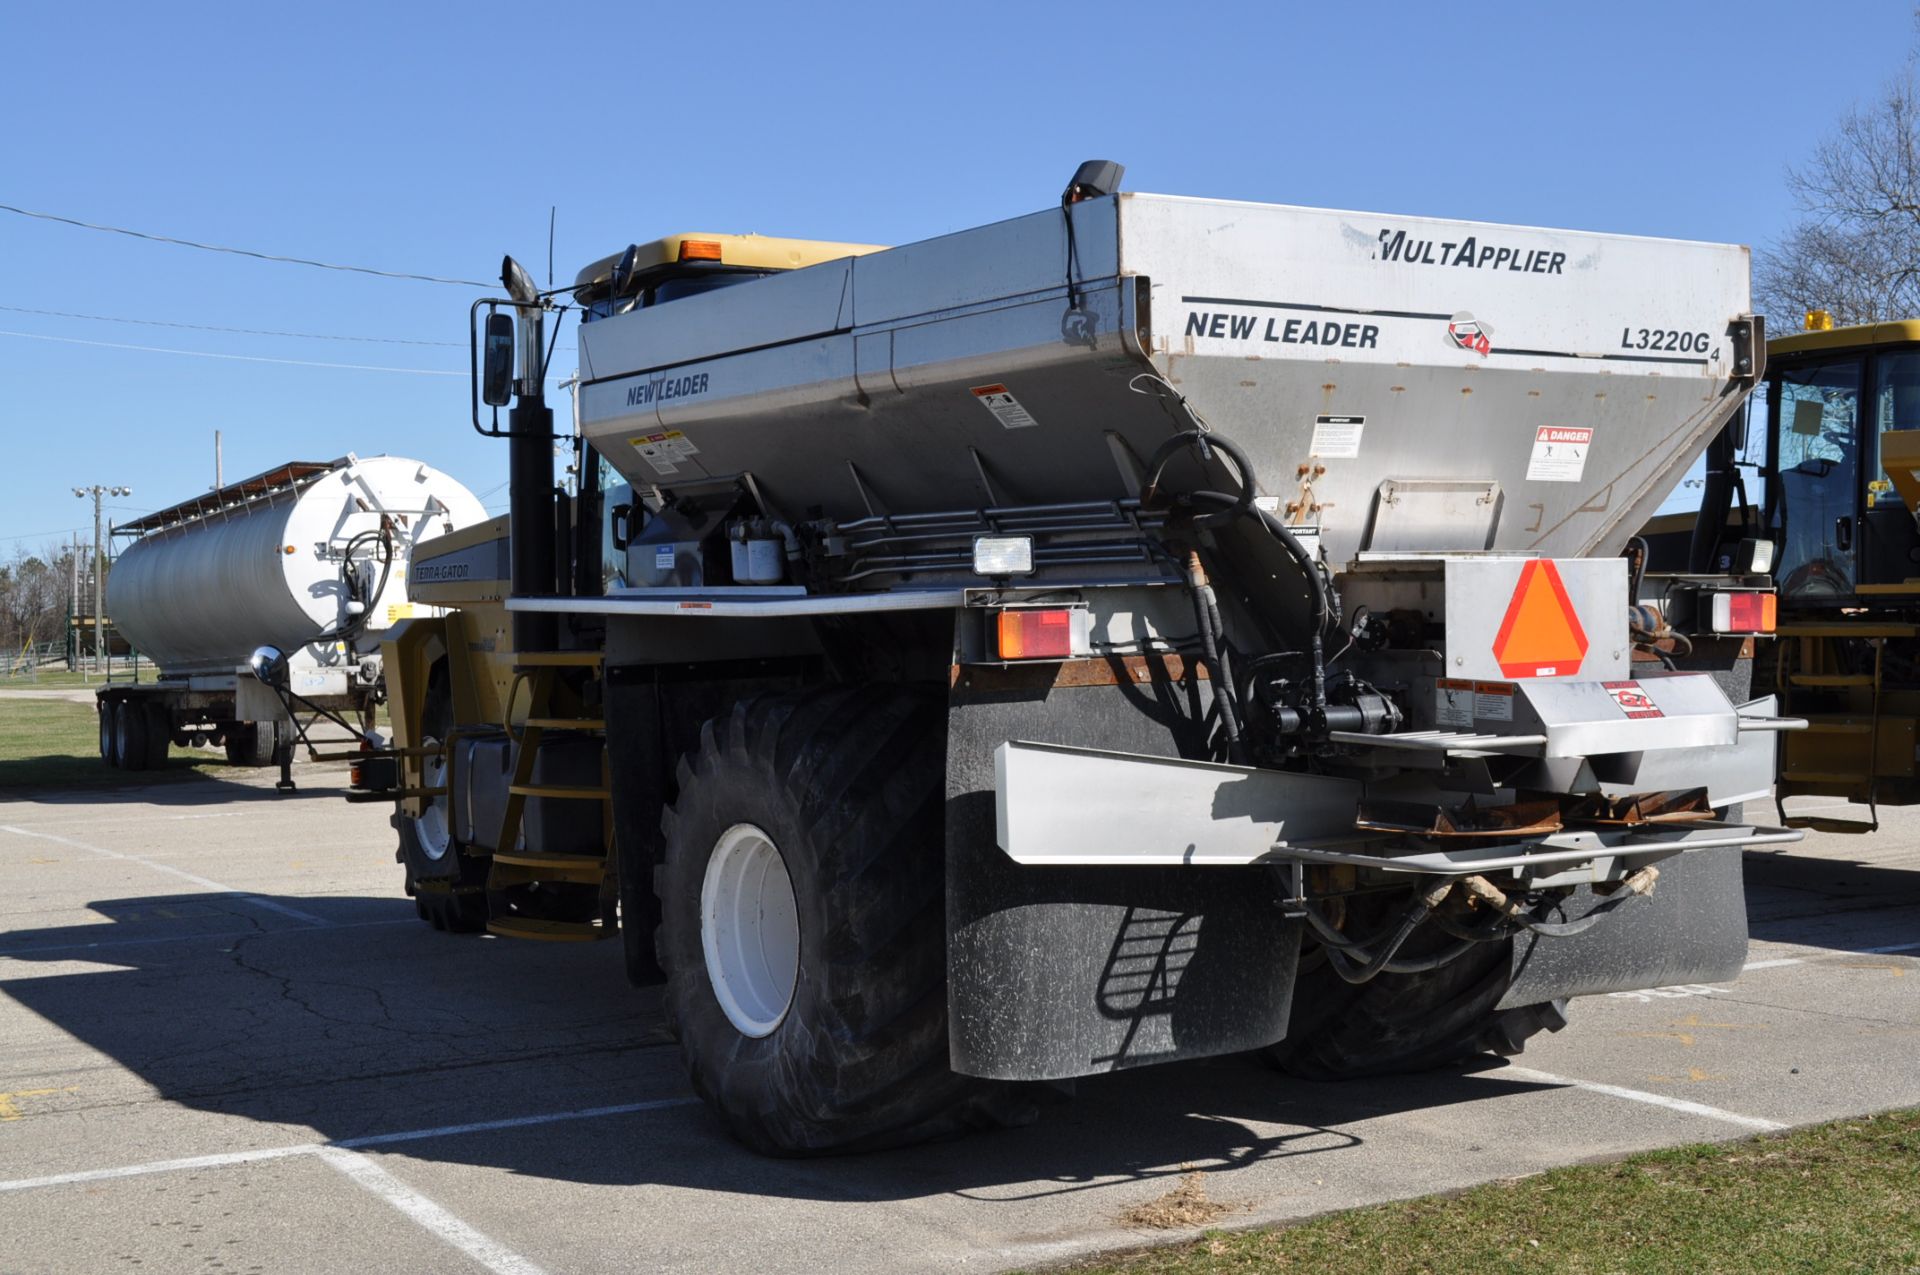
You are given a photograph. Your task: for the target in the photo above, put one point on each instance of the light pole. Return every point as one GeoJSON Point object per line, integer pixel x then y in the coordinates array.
{"type": "Point", "coordinates": [98, 491]}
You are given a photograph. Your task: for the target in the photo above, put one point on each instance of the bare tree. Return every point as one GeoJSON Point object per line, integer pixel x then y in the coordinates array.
{"type": "Point", "coordinates": [34, 597]}
{"type": "Point", "coordinates": [1856, 253]}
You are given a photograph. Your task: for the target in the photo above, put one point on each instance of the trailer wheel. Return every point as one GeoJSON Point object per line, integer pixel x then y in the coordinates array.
{"type": "Point", "coordinates": [252, 743]}
{"type": "Point", "coordinates": [109, 752]}
{"type": "Point", "coordinates": [130, 735]}
{"type": "Point", "coordinates": [447, 884]}
{"type": "Point", "coordinates": [1400, 1023]}
{"type": "Point", "coordinates": [803, 926]}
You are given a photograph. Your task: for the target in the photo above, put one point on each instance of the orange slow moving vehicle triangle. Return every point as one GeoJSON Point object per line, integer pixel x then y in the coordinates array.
{"type": "Point", "coordinates": [1541, 634]}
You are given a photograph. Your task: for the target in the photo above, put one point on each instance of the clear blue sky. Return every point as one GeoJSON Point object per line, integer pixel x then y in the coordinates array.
{"type": "Point", "coordinates": [389, 136]}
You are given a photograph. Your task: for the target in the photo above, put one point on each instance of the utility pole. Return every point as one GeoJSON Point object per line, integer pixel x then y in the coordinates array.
{"type": "Point", "coordinates": [98, 491]}
{"type": "Point", "coordinates": [73, 605]}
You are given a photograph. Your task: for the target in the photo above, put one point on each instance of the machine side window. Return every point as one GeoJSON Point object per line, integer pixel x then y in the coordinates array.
{"type": "Point", "coordinates": [1896, 407]}
{"type": "Point", "coordinates": [617, 506]}
{"type": "Point", "coordinates": [1816, 421]}
{"type": "Point", "coordinates": [1819, 410]}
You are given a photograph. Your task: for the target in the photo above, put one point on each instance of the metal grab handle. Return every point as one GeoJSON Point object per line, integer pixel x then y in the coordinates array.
{"type": "Point", "coordinates": [1772, 723]}
{"type": "Point", "coordinates": [1843, 532]}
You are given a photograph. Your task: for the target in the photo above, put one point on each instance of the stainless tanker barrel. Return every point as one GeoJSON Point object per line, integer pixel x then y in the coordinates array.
{"type": "Point", "coordinates": [290, 558]}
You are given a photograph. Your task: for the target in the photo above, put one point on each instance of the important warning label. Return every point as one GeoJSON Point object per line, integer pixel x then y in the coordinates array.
{"type": "Point", "coordinates": [999, 400]}
{"type": "Point", "coordinates": [1493, 701]}
{"type": "Point", "coordinates": [1337, 437]}
{"type": "Point", "coordinates": [1633, 699]}
{"type": "Point", "coordinates": [1559, 453]}
{"type": "Point", "coordinates": [664, 449]}
{"type": "Point", "coordinates": [1453, 702]}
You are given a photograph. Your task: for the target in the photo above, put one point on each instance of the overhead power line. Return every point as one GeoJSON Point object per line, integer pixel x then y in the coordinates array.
{"type": "Point", "coordinates": [207, 327]}
{"type": "Point", "coordinates": [240, 252]}
{"type": "Point", "coordinates": [243, 358]}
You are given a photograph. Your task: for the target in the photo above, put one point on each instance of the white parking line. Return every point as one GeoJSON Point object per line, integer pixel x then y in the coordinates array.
{"type": "Point", "coordinates": [347, 1144]}
{"type": "Point", "coordinates": [1640, 1095]}
{"type": "Point", "coordinates": [369, 1176]}
{"type": "Point", "coordinates": [1777, 962]}
{"type": "Point", "coordinates": [160, 1166]}
{"type": "Point", "coordinates": [271, 905]}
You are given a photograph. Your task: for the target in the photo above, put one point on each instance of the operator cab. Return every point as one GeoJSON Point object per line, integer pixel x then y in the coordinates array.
{"type": "Point", "coordinates": [1841, 408]}
{"type": "Point", "coordinates": [690, 264]}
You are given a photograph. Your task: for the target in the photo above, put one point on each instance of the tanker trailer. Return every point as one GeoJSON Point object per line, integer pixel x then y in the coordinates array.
{"type": "Point", "coordinates": [1146, 629]}
{"type": "Point", "coordinates": [309, 557]}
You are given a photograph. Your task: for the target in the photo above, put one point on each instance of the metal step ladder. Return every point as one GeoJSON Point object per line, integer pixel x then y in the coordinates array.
{"type": "Point", "coordinates": [1817, 672]}
{"type": "Point", "coordinates": [513, 867]}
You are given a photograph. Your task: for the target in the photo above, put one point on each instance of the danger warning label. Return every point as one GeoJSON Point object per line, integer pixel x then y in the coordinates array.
{"type": "Point", "coordinates": [1559, 453]}
{"type": "Point", "coordinates": [999, 400]}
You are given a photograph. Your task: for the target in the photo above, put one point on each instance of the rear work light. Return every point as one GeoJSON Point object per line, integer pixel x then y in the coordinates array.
{"type": "Point", "coordinates": [1035, 633]}
{"type": "Point", "coordinates": [1003, 555]}
{"type": "Point", "coordinates": [1744, 612]}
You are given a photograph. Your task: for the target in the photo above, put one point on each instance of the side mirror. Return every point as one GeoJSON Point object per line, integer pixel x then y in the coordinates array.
{"type": "Point", "coordinates": [269, 665]}
{"type": "Point", "coordinates": [496, 376]}
{"type": "Point", "coordinates": [624, 270]}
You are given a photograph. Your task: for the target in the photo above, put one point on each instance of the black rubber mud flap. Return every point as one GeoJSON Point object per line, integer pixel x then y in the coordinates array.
{"type": "Point", "coordinates": [1061, 972]}
{"type": "Point", "coordinates": [1691, 929]}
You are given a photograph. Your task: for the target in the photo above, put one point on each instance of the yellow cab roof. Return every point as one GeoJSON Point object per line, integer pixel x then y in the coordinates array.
{"type": "Point", "coordinates": [747, 252]}
{"type": "Point", "coordinates": [1859, 336]}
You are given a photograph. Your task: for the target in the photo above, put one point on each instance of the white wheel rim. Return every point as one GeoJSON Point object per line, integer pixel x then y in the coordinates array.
{"type": "Point", "coordinates": [750, 930]}
{"type": "Point", "coordinates": [431, 829]}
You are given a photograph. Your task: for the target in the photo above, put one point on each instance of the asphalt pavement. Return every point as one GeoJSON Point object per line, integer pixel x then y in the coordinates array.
{"type": "Point", "coordinates": [227, 1044]}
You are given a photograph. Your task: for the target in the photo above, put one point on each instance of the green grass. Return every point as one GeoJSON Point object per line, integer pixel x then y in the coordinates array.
{"type": "Point", "coordinates": [50, 743]}
{"type": "Point", "coordinates": [1840, 1197]}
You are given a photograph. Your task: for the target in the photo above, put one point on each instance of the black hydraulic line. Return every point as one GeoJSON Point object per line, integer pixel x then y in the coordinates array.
{"type": "Point", "coordinates": [1381, 960]}
{"type": "Point", "coordinates": [1224, 692]}
{"type": "Point", "coordinates": [1495, 931]}
{"type": "Point", "coordinates": [1343, 965]}
{"type": "Point", "coordinates": [346, 624]}
{"type": "Point", "coordinates": [1376, 964]}
{"type": "Point", "coordinates": [1326, 601]}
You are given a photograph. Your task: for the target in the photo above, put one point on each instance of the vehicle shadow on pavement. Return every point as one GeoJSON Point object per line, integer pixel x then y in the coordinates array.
{"type": "Point", "coordinates": [1843, 904]}
{"type": "Point", "coordinates": [347, 1016]}
{"type": "Point", "coordinates": [179, 785]}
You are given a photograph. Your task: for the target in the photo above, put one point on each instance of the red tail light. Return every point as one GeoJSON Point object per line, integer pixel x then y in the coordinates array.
{"type": "Point", "coordinates": [1744, 612]}
{"type": "Point", "coordinates": [1051, 634]}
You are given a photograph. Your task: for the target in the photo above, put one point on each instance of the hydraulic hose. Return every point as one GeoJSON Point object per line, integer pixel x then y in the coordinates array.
{"type": "Point", "coordinates": [1326, 603]}
{"type": "Point", "coordinates": [1380, 961]}
{"type": "Point", "coordinates": [1206, 614]}
{"type": "Point", "coordinates": [347, 623]}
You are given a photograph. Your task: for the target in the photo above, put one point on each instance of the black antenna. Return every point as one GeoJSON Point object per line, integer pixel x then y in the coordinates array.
{"type": "Point", "coordinates": [553, 211]}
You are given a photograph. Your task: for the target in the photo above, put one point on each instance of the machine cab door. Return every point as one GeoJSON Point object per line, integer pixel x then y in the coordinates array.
{"type": "Point", "coordinates": [1890, 542]}
{"type": "Point", "coordinates": [1815, 411]}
